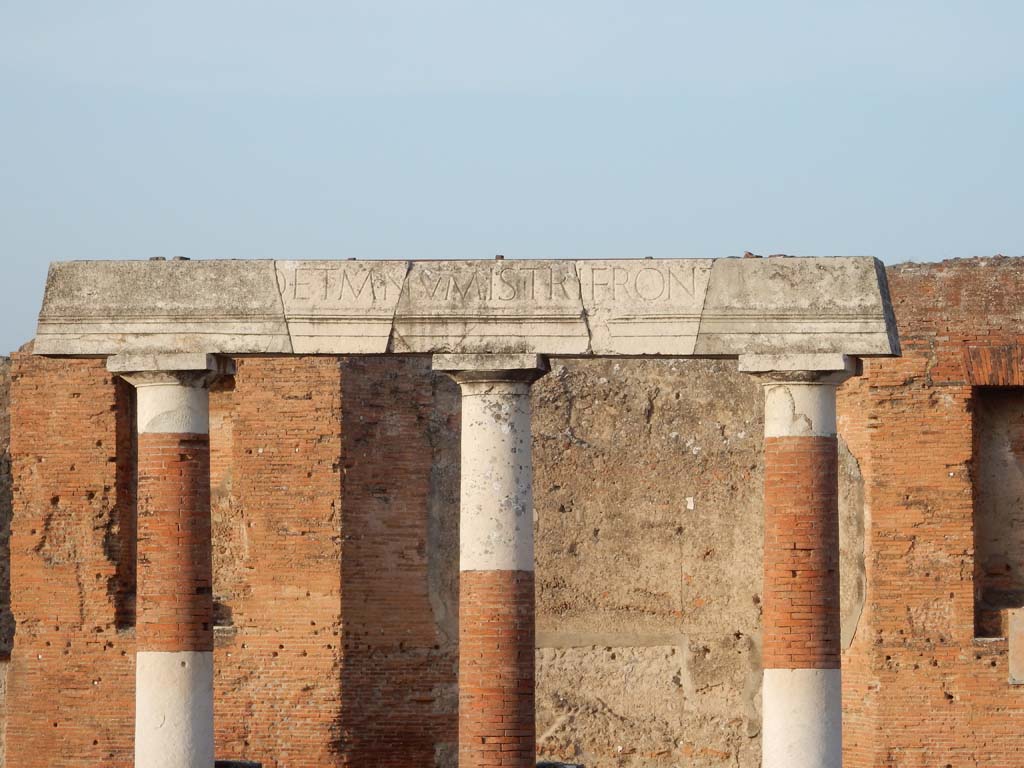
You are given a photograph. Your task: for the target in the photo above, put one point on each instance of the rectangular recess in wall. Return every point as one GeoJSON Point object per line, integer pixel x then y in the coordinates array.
{"type": "Point", "coordinates": [998, 508]}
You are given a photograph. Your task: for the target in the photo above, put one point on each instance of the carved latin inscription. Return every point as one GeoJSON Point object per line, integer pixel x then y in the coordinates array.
{"type": "Point", "coordinates": [671, 307]}
{"type": "Point", "coordinates": [474, 306]}
{"type": "Point", "coordinates": [499, 284]}
{"type": "Point", "coordinates": [632, 307]}
{"type": "Point", "coordinates": [310, 284]}
{"type": "Point", "coordinates": [644, 307]}
{"type": "Point", "coordinates": [334, 306]}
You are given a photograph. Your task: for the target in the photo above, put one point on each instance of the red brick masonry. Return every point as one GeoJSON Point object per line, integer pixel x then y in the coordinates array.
{"type": "Point", "coordinates": [496, 669]}
{"type": "Point", "coordinates": [801, 553]}
{"type": "Point", "coordinates": [175, 572]}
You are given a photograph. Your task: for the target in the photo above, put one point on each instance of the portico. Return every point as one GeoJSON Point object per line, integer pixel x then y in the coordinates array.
{"type": "Point", "coordinates": [799, 324]}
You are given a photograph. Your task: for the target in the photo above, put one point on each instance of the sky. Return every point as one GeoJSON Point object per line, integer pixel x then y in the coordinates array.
{"type": "Point", "coordinates": [450, 129]}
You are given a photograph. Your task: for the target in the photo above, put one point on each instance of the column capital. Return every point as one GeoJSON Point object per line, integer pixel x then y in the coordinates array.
{"type": "Point", "coordinates": [492, 368]}
{"type": "Point", "coordinates": [172, 389]}
{"type": "Point", "coordinates": [181, 368]}
{"type": "Point", "coordinates": [801, 368]}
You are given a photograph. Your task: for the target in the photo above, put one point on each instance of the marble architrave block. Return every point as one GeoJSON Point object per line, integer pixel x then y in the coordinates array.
{"type": "Point", "coordinates": [758, 308]}
{"type": "Point", "coordinates": [786, 305]}
{"type": "Point", "coordinates": [491, 306]}
{"type": "Point", "coordinates": [340, 305]}
{"type": "Point", "coordinates": [99, 308]}
{"type": "Point", "coordinates": [646, 306]}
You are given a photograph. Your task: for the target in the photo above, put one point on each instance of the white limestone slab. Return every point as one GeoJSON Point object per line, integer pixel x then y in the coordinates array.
{"type": "Point", "coordinates": [644, 307]}
{"type": "Point", "coordinates": [490, 362]}
{"type": "Point", "coordinates": [173, 709]}
{"type": "Point", "coordinates": [109, 307]}
{"type": "Point", "coordinates": [802, 718]}
{"type": "Point", "coordinates": [629, 307]}
{"type": "Point", "coordinates": [343, 307]}
{"type": "Point", "coordinates": [171, 362]}
{"type": "Point", "coordinates": [491, 306]}
{"type": "Point", "coordinates": [790, 305]}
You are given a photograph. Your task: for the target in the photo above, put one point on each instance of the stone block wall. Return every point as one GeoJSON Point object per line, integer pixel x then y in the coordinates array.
{"type": "Point", "coordinates": [335, 622]}
{"type": "Point", "coordinates": [335, 501]}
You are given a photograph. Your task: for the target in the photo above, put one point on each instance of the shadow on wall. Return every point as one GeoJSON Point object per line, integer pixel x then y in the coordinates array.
{"type": "Point", "coordinates": [119, 538]}
{"type": "Point", "coordinates": [998, 506]}
{"type": "Point", "coordinates": [399, 563]}
{"type": "Point", "coordinates": [6, 511]}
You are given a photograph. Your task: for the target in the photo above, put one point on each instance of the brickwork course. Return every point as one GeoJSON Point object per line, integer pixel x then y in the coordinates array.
{"type": "Point", "coordinates": [495, 684]}
{"type": "Point", "coordinates": [801, 550]}
{"type": "Point", "coordinates": [174, 598]}
{"type": "Point", "coordinates": [334, 494]}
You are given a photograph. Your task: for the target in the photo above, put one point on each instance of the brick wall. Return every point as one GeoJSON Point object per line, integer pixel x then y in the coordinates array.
{"type": "Point", "coordinates": [277, 526]}
{"type": "Point", "coordinates": [304, 500]}
{"type": "Point", "coordinates": [398, 676]}
{"type": "Point", "coordinates": [919, 689]}
{"type": "Point", "coordinates": [998, 506]}
{"type": "Point", "coordinates": [6, 618]}
{"type": "Point", "coordinates": [71, 680]}
{"type": "Point", "coordinates": [175, 575]}
{"type": "Point", "coordinates": [334, 487]}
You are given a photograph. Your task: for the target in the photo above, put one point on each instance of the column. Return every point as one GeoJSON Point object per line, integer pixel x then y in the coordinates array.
{"type": "Point", "coordinates": [174, 603]}
{"type": "Point", "coordinates": [801, 684]}
{"type": "Point", "coordinates": [496, 588]}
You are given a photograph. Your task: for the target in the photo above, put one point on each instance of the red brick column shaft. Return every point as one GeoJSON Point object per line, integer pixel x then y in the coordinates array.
{"type": "Point", "coordinates": [496, 587]}
{"type": "Point", "coordinates": [496, 669]}
{"type": "Point", "coordinates": [801, 554]}
{"type": "Point", "coordinates": [175, 569]}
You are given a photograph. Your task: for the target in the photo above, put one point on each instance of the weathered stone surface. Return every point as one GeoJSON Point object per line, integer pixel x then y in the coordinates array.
{"type": "Point", "coordinates": [340, 305]}
{"type": "Point", "coordinates": [129, 362]}
{"type": "Point", "coordinates": [645, 307]}
{"type": "Point", "coordinates": [481, 362]}
{"type": "Point", "coordinates": [1016, 645]}
{"type": "Point", "coordinates": [621, 307]}
{"type": "Point", "coordinates": [108, 307]}
{"type": "Point", "coordinates": [783, 304]}
{"type": "Point", "coordinates": [491, 306]}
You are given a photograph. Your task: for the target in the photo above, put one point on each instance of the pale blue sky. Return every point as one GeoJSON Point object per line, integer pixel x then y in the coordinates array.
{"type": "Point", "coordinates": [449, 129]}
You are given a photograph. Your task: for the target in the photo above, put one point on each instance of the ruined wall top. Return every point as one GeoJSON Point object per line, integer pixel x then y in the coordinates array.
{"type": "Point", "coordinates": [628, 307]}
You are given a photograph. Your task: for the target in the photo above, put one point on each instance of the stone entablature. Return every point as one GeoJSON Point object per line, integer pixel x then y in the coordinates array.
{"type": "Point", "coordinates": [620, 307]}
